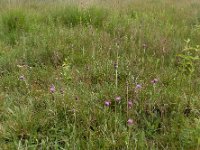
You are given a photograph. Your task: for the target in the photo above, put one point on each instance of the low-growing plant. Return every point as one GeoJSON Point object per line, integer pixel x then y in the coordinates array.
{"type": "Point", "coordinates": [14, 24]}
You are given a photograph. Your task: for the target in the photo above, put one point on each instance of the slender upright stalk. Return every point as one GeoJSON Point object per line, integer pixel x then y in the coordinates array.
{"type": "Point", "coordinates": [116, 67]}
{"type": "Point", "coordinates": [116, 85]}
{"type": "Point", "coordinates": [74, 131]}
{"type": "Point", "coordinates": [127, 97]}
{"type": "Point", "coordinates": [116, 72]}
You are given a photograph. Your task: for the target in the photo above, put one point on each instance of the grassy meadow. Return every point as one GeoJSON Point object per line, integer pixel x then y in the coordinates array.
{"type": "Point", "coordinates": [92, 74]}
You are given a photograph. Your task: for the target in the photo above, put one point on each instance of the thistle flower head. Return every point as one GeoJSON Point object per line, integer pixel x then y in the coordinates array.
{"type": "Point", "coordinates": [22, 78]}
{"type": "Point", "coordinates": [154, 81]}
{"type": "Point", "coordinates": [115, 65]}
{"type": "Point", "coordinates": [76, 98]}
{"type": "Point", "coordinates": [118, 99]}
{"type": "Point", "coordinates": [107, 103]}
{"type": "Point", "coordinates": [52, 88]}
{"type": "Point", "coordinates": [138, 86]}
{"type": "Point", "coordinates": [62, 91]}
{"type": "Point", "coordinates": [130, 104]}
{"type": "Point", "coordinates": [130, 122]}
{"type": "Point", "coordinates": [144, 45]}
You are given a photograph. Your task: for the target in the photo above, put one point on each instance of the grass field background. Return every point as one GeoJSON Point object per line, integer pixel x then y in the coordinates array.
{"type": "Point", "coordinates": [100, 74]}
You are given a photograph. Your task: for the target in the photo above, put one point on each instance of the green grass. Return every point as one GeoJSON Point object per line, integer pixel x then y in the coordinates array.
{"type": "Point", "coordinates": [76, 47]}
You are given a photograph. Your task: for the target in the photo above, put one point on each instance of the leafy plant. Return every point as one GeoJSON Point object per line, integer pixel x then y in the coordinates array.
{"type": "Point", "coordinates": [66, 70]}
{"type": "Point", "coordinates": [188, 58]}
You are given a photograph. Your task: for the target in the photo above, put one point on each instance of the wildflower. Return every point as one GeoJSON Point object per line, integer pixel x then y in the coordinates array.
{"type": "Point", "coordinates": [61, 91]}
{"type": "Point", "coordinates": [73, 110]}
{"type": "Point", "coordinates": [107, 103]}
{"type": "Point", "coordinates": [52, 88]}
{"type": "Point", "coordinates": [115, 65]}
{"type": "Point", "coordinates": [154, 81]}
{"type": "Point", "coordinates": [130, 122]}
{"type": "Point", "coordinates": [22, 78]}
{"type": "Point", "coordinates": [138, 86]}
{"type": "Point", "coordinates": [130, 104]}
{"type": "Point", "coordinates": [118, 99]}
{"type": "Point", "coordinates": [144, 45]}
{"type": "Point", "coordinates": [76, 98]}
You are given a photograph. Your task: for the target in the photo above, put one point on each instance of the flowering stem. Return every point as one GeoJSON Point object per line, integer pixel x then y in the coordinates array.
{"type": "Point", "coordinates": [116, 78]}
{"type": "Point", "coordinates": [128, 139]}
{"type": "Point", "coordinates": [116, 71]}
{"type": "Point", "coordinates": [127, 89]}
{"type": "Point", "coordinates": [74, 130]}
{"type": "Point", "coordinates": [53, 98]}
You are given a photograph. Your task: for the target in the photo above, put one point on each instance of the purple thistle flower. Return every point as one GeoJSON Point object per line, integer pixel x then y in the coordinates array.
{"type": "Point", "coordinates": [130, 122]}
{"type": "Point", "coordinates": [22, 78]}
{"type": "Point", "coordinates": [138, 86]}
{"type": "Point", "coordinates": [118, 99]}
{"type": "Point", "coordinates": [107, 103]}
{"type": "Point", "coordinates": [154, 81]}
{"type": "Point", "coordinates": [130, 104]}
{"type": "Point", "coordinates": [52, 88]}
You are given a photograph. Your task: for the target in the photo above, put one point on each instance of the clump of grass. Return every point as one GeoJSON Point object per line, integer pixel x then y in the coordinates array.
{"type": "Point", "coordinates": [14, 23]}
{"type": "Point", "coordinates": [94, 16]}
{"type": "Point", "coordinates": [72, 16]}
